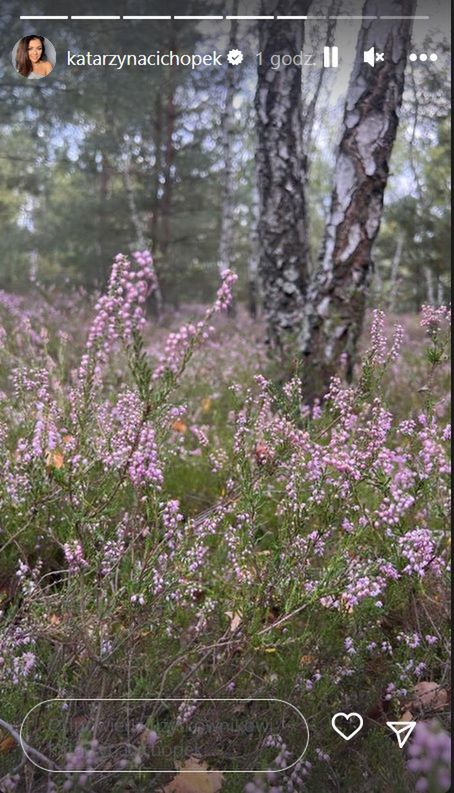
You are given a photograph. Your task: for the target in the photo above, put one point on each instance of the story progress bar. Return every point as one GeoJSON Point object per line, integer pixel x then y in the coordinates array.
{"type": "Point", "coordinates": [198, 18]}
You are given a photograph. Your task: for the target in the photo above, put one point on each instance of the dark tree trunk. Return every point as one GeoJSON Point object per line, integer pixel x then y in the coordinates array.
{"type": "Point", "coordinates": [283, 252]}
{"type": "Point", "coordinates": [335, 305]}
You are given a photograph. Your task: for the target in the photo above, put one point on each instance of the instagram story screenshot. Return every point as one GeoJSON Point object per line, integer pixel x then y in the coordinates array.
{"type": "Point", "coordinates": [225, 396]}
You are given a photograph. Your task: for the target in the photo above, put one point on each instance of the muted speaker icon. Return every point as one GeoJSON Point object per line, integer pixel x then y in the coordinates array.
{"type": "Point", "coordinates": [372, 57]}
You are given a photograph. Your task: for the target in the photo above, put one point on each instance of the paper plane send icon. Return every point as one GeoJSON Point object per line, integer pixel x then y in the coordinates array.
{"type": "Point", "coordinates": [402, 730]}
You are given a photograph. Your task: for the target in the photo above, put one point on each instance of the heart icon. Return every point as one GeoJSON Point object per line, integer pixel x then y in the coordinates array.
{"type": "Point", "coordinates": [347, 717]}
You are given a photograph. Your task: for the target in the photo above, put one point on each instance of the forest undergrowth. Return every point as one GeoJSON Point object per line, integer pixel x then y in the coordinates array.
{"type": "Point", "coordinates": [175, 524]}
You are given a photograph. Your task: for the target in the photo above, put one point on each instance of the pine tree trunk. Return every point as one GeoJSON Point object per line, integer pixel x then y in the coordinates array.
{"type": "Point", "coordinates": [336, 301]}
{"type": "Point", "coordinates": [280, 167]}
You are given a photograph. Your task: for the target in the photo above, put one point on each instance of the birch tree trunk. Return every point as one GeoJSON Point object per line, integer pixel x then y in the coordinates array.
{"type": "Point", "coordinates": [395, 265]}
{"type": "Point", "coordinates": [140, 242]}
{"type": "Point", "coordinates": [227, 127]}
{"type": "Point", "coordinates": [167, 197]}
{"type": "Point", "coordinates": [157, 168]}
{"type": "Point", "coordinates": [335, 305]}
{"type": "Point", "coordinates": [310, 105]}
{"type": "Point", "coordinates": [133, 211]}
{"type": "Point", "coordinates": [253, 259]}
{"type": "Point", "coordinates": [428, 275]}
{"type": "Point", "coordinates": [440, 293]}
{"type": "Point", "coordinates": [280, 169]}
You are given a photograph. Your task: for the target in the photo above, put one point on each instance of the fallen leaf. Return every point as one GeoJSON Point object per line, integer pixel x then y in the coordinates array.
{"type": "Point", "coordinates": [235, 620]}
{"type": "Point", "coordinates": [307, 660]}
{"type": "Point", "coordinates": [79, 721]}
{"type": "Point", "coordinates": [429, 696]}
{"type": "Point", "coordinates": [263, 453]}
{"type": "Point", "coordinates": [198, 781]}
{"type": "Point", "coordinates": [55, 459]}
{"type": "Point", "coordinates": [179, 426]}
{"type": "Point", "coordinates": [7, 745]}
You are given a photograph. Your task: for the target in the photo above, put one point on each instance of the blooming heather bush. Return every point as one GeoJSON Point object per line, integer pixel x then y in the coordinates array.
{"type": "Point", "coordinates": [430, 757]}
{"type": "Point", "coordinates": [174, 524]}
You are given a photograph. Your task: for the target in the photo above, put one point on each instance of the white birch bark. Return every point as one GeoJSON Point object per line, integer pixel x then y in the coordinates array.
{"type": "Point", "coordinates": [228, 135]}
{"type": "Point", "coordinates": [395, 265]}
{"type": "Point", "coordinates": [336, 300]}
{"type": "Point", "coordinates": [253, 259]}
{"type": "Point", "coordinates": [136, 220]}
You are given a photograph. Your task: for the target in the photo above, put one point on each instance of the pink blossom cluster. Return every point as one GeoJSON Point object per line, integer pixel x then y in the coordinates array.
{"type": "Point", "coordinates": [35, 382]}
{"type": "Point", "coordinates": [177, 347]}
{"type": "Point", "coordinates": [179, 343]}
{"type": "Point", "coordinates": [432, 455]}
{"type": "Point", "coordinates": [419, 549]}
{"type": "Point", "coordinates": [113, 550]}
{"type": "Point", "coordinates": [380, 350]}
{"type": "Point", "coordinates": [429, 757]}
{"type": "Point", "coordinates": [127, 441]}
{"type": "Point", "coordinates": [433, 317]}
{"type": "Point", "coordinates": [74, 556]}
{"type": "Point", "coordinates": [10, 783]}
{"type": "Point", "coordinates": [362, 581]}
{"type": "Point", "coordinates": [188, 706]}
{"type": "Point", "coordinates": [18, 660]}
{"type": "Point", "coordinates": [239, 553]}
{"type": "Point", "coordinates": [224, 294]}
{"type": "Point", "coordinates": [171, 520]}
{"type": "Point", "coordinates": [83, 759]}
{"type": "Point", "coordinates": [277, 780]}
{"type": "Point", "coordinates": [120, 312]}
{"type": "Point", "coordinates": [144, 466]}
{"type": "Point", "coordinates": [28, 576]}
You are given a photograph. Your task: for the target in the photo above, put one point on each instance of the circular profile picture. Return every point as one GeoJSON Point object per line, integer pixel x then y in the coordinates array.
{"type": "Point", "coordinates": [34, 57]}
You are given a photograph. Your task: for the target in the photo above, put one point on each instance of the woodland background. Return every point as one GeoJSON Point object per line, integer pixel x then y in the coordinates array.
{"type": "Point", "coordinates": [95, 161]}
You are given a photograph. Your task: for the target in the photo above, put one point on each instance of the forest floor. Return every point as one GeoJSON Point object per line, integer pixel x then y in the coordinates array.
{"type": "Point", "coordinates": [176, 522]}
